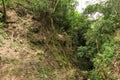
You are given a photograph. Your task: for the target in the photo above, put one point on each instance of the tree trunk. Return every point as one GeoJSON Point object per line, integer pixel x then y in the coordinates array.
{"type": "Point", "coordinates": [4, 11]}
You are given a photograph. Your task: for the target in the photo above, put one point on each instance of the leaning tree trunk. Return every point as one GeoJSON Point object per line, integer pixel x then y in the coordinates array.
{"type": "Point", "coordinates": [4, 11]}
{"type": "Point", "coordinates": [54, 6]}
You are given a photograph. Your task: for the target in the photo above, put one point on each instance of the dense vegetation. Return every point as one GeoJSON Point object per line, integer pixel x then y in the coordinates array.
{"type": "Point", "coordinates": [72, 39]}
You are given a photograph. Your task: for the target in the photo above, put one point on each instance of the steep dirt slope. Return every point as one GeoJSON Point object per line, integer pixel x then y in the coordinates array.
{"type": "Point", "coordinates": [17, 56]}
{"type": "Point", "coordinates": [20, 60]}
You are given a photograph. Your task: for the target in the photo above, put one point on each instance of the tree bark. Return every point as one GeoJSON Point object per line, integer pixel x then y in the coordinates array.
{"type": "Point", "coordinates": [4, 11]}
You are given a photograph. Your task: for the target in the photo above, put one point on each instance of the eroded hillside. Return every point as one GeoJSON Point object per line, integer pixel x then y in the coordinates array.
{"type": "Point", "coordinates": [22, 60]}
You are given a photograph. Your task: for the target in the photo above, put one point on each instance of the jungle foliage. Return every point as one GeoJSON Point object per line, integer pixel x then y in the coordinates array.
{"type": "Point", "coordinates": [95, 42]}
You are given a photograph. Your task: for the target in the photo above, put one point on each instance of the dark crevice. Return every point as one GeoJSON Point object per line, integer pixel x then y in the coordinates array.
{"type": "Point", "coordinates": [85, 64]}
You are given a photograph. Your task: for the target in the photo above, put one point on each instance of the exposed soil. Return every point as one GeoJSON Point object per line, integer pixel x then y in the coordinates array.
{"type": "Point", "coordinates": [20, 60]}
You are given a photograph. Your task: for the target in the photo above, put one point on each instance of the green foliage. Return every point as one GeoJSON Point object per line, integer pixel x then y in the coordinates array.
{"type": "Point", "coordinates": [1, 32]}
{"type": "Point", "coordinates": [100, 43]}
{"type": "Point", "coordinates": [7, 3]}
{"type": "Point", "coordinates": [101, 30]}
{"type": "Point", "coordinates": [103, 62]}
{"type": "Point", "coordinates": [92, 39]}
{"type": "Point", "coordinates": [65, 14]}
{"type": "Point", "coordinates": [82, 51]}
{"type": "Point", "coordinates": [40, 6]}
{"type": "Point", "coordinates": [45, 72]}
